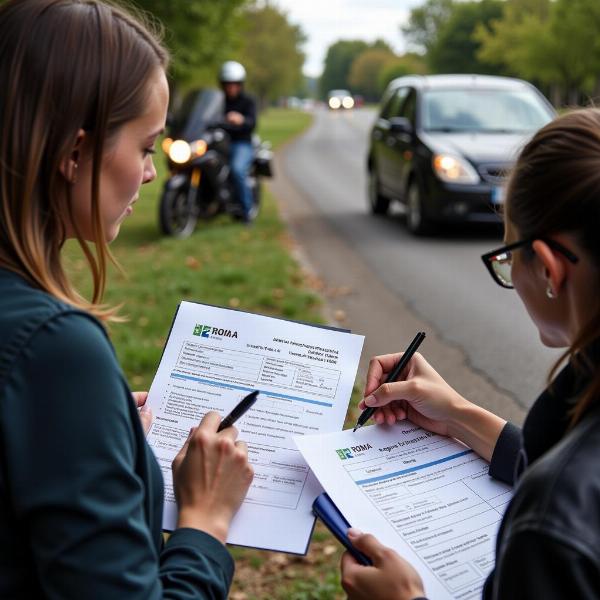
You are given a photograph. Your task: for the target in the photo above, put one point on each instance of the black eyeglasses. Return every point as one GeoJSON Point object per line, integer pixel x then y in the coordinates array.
{"type": "Point", "coordinates": [499, 262]}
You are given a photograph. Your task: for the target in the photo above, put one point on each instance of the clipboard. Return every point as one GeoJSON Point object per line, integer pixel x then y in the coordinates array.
{"type": "Point", "coordinates": [324, 508]}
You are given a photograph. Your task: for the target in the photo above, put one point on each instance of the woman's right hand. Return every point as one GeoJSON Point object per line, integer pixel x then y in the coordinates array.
{"type": "Point", "coordinates": [211, 476]}
{"type": "Point", "coordinates": [422, 395]}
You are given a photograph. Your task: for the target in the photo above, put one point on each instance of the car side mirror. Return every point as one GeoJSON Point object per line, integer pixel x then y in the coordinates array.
{"type": "Point", "coordinates": [401, 125]}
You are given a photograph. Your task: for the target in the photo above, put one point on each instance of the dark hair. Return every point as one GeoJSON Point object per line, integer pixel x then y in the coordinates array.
{"type": "Point", "coordinates": [65, 65]}
{"type": "Point", "coordinates": [555, 187]}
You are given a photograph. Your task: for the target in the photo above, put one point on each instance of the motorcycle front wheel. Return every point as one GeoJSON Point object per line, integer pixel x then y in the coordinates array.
{"type": "Point", "coordinates": [177, 213]}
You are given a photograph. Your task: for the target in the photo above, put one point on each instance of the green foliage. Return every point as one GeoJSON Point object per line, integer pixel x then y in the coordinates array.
{"type": "Point", "coordinates": [455, 49]}
{"type": "Point", "coordinates": [338, 62]}
{"type": "Point", "coordinates": [347, 66]}
{"type": "Point", "coordinates": [200, 34]}
{"type": "Point", "coordinates": [366, 71]}
{"type": "Point", "coordinates": [444, 31]}
{"type": "Point", "coordinates": [554, 43]}
{"type": "Point", "coordinates": [271, 52]}
{"type": "Point", "coordinates": [425, 22]}
{"type": "Point", "coordinates": [408, 64]}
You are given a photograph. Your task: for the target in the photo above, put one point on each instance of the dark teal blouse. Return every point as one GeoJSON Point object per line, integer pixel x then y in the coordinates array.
{"type": "Point", "coordinates": [81, 493]}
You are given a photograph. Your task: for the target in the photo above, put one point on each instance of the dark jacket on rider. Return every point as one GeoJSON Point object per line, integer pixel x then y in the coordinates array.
{"type": "Point", "coordinates": [245, 105]}
{"type": "Point", "coordinates": [548, 545]}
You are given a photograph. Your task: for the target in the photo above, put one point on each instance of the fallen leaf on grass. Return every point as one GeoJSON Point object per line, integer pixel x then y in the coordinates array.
{"type": "Point", "coordinates": [339, 315]}
{"type": "Point", "coordinates": [191, 262]}
{"type": "Point", "coordinates": [281, 560]}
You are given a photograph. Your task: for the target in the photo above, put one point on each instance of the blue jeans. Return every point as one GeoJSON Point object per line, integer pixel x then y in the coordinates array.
{"type": "Point", "coordinates": [241, 159]}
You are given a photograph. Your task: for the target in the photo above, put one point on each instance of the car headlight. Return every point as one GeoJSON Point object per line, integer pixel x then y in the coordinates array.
{"type": "Point", "coordinates": [347, 102]}
{"type": "Point", "coordinates": [334, 103]}
{"type": "Point", "coordinates": [453, 169]}
{"type": "Point", "coordinates": [180, 151]}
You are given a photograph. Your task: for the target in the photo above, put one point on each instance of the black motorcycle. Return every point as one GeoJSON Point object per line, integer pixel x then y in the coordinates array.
{"type": "Point", "coordinates": [200, 185]}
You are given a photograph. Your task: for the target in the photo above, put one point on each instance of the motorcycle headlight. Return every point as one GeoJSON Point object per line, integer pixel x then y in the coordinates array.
{"type": "Point", "coordinates": [347, 102]}
{"type": "Point", "coordinates": [180, 151]}
{"type": "Point", "coordinates": [453, 169]}
{"type": "Point", "coordinates": [334, 103]}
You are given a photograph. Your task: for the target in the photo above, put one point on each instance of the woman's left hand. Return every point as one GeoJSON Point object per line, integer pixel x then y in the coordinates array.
{"type": "Point", "coordinates": [390, 577]}
{"type": "Point", "coordinates": [143, 410]}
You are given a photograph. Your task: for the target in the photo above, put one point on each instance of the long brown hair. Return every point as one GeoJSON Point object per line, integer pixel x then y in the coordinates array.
{"type": "Point", "coordinates": [555, 187]}
{"type": "Point", "coordinates": [65, 65]}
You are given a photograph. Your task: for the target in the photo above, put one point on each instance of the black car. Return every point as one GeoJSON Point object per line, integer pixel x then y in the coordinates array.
{"type": "Point", "coordinates": [443, 144]}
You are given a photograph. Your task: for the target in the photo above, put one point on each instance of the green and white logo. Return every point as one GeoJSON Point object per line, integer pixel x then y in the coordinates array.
{"type": "Point", "coordinates": [344, 453]}
{"type": "Point", "coordinates": [208, 330]}
{"type": "Point", "coordinates": [202, 330]}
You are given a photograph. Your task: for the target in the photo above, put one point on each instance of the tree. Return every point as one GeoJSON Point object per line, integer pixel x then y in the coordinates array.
{"type": "Point", "coordinates": [400, 66]}
{"type": "Point", "coordinates": [554, 43]}
{"type": "Point", "coordinates": [425, 23]}
{"type": "Point", "coordinates": [271, 51]}
{"type": "Point", "coordinates": [366, 71]}
{"type": "Point", "coordinates": [455, 48]}
{"type": "Point", "coordinates": [338, 62]}
{"type": "Point", "coordinates": [199, 33]}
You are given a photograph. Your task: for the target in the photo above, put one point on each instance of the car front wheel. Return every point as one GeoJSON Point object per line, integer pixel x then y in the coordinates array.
{"type": "Point", "coordinates": [416, 221]}
{"type": "Point", "coordinates": [379, 204]}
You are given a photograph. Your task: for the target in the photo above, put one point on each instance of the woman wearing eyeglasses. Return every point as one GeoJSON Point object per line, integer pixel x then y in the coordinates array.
{"type": "Point", "coordinates": [548, 544]}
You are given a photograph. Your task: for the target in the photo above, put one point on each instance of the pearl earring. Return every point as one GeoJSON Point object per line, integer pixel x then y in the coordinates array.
{"type": "Point", "coordinates": [550, 293]}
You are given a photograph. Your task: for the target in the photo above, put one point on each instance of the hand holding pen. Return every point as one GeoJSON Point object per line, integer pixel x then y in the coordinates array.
{"type": "Point", "coordinates": [392, 376]}
{"type": "Point", "coordinates": [211, 473]}
{"type": "Point", "coordinates": [424, 398]}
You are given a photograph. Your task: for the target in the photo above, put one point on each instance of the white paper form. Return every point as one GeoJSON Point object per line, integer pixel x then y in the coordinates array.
{"type": "Point", "coordinates": [428, 497]}
{"type": "Point", "coordinates": [213, 358]}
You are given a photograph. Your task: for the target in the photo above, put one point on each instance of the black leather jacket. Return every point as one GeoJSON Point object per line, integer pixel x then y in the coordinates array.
{"type": "Point", "coordinates": [548, 546]}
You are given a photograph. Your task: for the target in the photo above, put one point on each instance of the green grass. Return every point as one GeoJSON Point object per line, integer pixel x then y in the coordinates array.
{"type": "Point", "coordinates": [222, 263]}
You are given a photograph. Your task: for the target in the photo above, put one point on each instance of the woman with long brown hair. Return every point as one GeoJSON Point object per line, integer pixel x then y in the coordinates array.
{"type": "Point", "coordinates": [548, 544]}
{"type": "Point", "coordinates": [83, 98]}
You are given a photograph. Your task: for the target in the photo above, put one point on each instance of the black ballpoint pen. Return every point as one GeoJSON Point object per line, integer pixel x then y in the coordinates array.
{"type": "Point", "coordinates": [244, 404]}
{"type": "Point", "coordinates": [366, 414]}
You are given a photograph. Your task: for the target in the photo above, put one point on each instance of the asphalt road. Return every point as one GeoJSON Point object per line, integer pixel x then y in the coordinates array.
{"type": "Point", "coordinates": [442, 280]}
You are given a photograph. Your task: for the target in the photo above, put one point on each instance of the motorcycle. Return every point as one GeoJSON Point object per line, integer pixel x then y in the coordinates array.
{"type": "Point", "coordinates": [200, 185]}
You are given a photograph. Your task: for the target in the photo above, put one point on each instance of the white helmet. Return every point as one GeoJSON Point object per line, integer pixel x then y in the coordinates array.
{"type": "Point", "coordinates": [232, 72]}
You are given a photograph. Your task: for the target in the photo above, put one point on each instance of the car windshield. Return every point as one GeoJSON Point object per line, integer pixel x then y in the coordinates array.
{"type": "Point", "coordinates": [484, 111]}
{"type": "Point", "coordinates": [333, 93]}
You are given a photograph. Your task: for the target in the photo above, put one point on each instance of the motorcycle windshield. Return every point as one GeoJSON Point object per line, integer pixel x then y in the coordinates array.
{"type": "Point", "coordinates": [199, 110]}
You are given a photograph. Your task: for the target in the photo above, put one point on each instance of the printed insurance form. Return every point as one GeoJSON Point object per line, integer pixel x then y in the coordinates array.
{"type": "Point", "coordinates": [427, 496]}
{"type": "Point", "coordinates": [305, 374]}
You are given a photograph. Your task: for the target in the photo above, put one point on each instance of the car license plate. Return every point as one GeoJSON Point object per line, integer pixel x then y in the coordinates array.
{"type": "Point", "coordinates": [497, 195]}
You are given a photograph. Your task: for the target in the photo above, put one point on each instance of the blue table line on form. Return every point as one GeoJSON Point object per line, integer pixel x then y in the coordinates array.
{"type": "Point", "coordinates": [412, 469]}
{"type": "Point", "coordinates": [246, 389]}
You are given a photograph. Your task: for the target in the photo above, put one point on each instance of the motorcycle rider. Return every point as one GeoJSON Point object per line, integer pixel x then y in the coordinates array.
{"type": "Point", "coordinates": [240, 121]}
